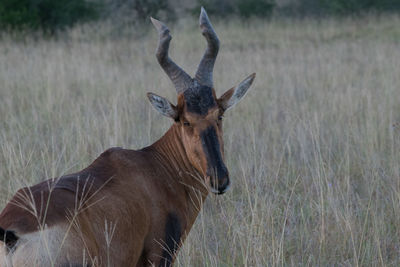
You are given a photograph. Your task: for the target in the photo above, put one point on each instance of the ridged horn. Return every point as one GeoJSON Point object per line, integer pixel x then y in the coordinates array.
{"type": "Point", "coordinates": [204, 74]}
{"type": "Point", "coordinates": [179, 77]}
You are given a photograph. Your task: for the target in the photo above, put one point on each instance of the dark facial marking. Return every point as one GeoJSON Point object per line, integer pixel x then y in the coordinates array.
{"type": "Point", "coordinates": [8, 237]}
{"type": "Point", "coordinates": [212, 150]}
{"type": "Point", "coordinates": [173, 232]}
{"type": "Point", "coordinates": [199, 99]}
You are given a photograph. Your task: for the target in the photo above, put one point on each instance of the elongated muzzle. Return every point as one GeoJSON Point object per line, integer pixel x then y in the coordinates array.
{"type": "Point", "coordinates": [216, 169]}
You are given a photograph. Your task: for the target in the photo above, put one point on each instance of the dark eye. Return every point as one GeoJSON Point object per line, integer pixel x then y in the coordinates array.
{"type": "Point", "coordinates": [220, 118]}
{"type": "Point", "coordinates": [186, 123]}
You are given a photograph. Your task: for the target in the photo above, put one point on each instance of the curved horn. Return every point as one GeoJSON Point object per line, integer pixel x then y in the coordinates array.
{"type": "Point", "coordinates": [178, 76]}
{"type": "Point", "coordinates": [204, 73]}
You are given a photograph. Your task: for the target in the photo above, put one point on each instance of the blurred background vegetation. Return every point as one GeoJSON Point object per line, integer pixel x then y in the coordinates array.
{"type": "Point", "coordinates": [313, 150]}
{"type": "Point", "coordinates": [52, 15]}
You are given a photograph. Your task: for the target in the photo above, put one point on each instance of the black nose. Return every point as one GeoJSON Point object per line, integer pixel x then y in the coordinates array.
{"type": "Point", "coordinates": [222, 188]}
{"type": "Point", "coordinates": [219, 181]}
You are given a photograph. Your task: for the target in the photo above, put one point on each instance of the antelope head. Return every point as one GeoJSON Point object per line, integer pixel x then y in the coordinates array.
{"type": "Point", "coordinates": [199, 112]}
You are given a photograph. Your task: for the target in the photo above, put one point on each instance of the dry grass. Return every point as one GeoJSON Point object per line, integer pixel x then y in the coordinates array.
{"type": "Point", "coordinates": [313, 150]}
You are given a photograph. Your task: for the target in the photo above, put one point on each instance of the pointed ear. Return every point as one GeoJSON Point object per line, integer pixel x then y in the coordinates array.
{"type": "Point", "coordinates": [233, 95]}
{"type": "Point", "coordinates": [163, 106]}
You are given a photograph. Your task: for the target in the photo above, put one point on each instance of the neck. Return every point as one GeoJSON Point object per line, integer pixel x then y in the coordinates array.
{"type": "Point", "coordinates": [170, 152]}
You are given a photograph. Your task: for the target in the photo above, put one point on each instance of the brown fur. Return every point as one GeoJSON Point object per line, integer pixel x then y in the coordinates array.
{"type": "Point", "coordinates": [138, 199]}
{"type": "Point", "coordinates": [129, 208]}
{"type": "Point", "coordinates": [135, 190]}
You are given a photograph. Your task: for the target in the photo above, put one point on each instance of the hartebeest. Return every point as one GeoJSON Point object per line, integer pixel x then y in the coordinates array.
{"type": "Point", "coordinates": [131, 207]}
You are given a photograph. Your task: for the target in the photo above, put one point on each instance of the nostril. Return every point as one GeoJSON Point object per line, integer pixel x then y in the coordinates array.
{"type": "Point", "coordinates": [220, 185]}
{"type": "Point", "coordinates": [224, 182]}
{"type": "Point", "coordinates": [218, 178]}
{"type": "Point", "coordinates": [224, 185]}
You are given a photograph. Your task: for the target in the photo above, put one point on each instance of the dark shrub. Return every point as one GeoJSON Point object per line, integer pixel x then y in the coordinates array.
{"type": "Point", "coordinates": [48, 15]}
{"type": "Point", "coordinates": [242, 8]}
{"type": "Point", "coordinates": [146, 8]}
{"type": "Point", "coordinates": [140, 10]}
{"type": "Point", "coordinates": [221, 8]}
{"type": "Point", "coordinates": [259, 8]}
{"type": "Point", "coordinates": [344, 7]}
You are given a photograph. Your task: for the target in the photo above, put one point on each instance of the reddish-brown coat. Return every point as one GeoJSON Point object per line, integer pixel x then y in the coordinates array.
{"type": "Point", "coordinates": [145, 198]}
{"type": "Point", "coordinates": [136, 190]}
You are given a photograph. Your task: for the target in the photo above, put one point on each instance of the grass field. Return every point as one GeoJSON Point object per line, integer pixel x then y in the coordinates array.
{"type": "Point", "coordinates": [313, 149]}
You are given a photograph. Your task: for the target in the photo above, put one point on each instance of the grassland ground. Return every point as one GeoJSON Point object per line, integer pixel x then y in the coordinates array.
{"type": "Point", "coordinates": [313, 149]}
